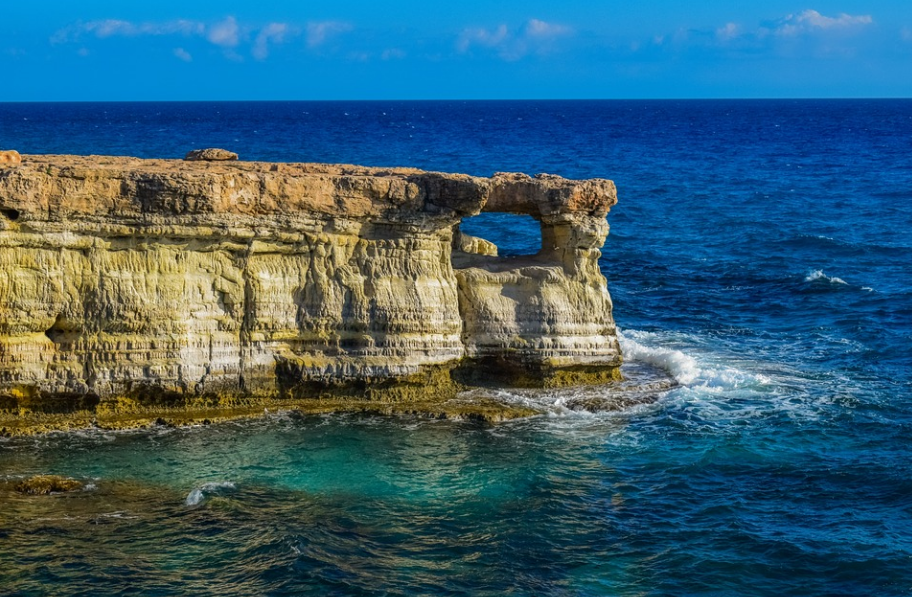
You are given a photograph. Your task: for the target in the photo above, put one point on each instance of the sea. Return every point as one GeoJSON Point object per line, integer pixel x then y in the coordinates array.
{"type": "Point", "coordinates": [760, 262]}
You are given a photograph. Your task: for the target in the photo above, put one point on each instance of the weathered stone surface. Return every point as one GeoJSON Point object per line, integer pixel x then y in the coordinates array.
{"type": "Point", "coordinates": [128, 285]}
{"type": "Point", "coordinates": [45, 484]}
{"type": "Point", "coordinates": [542, 319]}
{"type": "Point", "coordinates": [211, 154]}
{"type": "Point", "coordinates": [10, 158]}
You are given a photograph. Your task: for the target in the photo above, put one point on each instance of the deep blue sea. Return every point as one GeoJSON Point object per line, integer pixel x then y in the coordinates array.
{"type": "Point", "coordinates": [760, 255]}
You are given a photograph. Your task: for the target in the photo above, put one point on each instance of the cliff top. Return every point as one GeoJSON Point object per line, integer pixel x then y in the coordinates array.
{"type": "Point", "coordinates": [59, 186]}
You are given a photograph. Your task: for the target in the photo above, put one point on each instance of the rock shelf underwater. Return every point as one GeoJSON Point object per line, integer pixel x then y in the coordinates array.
{"type": "Point", "coordinates": [137, 291]}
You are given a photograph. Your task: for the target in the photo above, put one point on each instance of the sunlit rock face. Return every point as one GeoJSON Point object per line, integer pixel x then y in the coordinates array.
{"type": "Point", "coordinates": [126, 283]}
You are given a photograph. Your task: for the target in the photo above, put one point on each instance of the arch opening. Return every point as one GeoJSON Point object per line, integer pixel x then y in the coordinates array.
{"type": "Point", "coordinates": [514, 235]}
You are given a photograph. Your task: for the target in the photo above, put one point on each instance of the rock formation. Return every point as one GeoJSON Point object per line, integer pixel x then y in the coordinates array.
{"type": "Point", "coordinates": [212, 154]}
{"type": "Point", "coordinates": [127, 284]}
{"type": "Point", "coordinates": [10, 158]}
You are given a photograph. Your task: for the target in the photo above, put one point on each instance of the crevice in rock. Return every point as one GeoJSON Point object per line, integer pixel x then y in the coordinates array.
{"type": "Point", "coordinates": [56, 332]}
{"type": "Point", "coordinates": [10, 214]}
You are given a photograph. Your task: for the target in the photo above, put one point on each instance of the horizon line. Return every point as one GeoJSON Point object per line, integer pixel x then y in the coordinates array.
{"type": "Point", "coordinates": [555, 99]}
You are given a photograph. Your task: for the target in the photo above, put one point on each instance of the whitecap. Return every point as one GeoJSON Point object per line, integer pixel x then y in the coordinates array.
{"type": "Point", "coordinates": [818, 276]}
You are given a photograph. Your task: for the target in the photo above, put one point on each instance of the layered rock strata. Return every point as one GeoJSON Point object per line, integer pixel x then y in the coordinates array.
{"type": "Point", "coordinates": [127, 284]}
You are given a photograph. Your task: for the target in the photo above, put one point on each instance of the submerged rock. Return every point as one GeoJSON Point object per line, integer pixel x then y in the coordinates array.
{"type": "Point", "coordinates": [147, 288]}
{"type": "Point", "coordinates": [45, 484]}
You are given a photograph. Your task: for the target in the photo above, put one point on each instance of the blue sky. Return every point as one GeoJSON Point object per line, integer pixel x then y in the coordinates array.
{"type": "Point", "coordinates": [355, 49]}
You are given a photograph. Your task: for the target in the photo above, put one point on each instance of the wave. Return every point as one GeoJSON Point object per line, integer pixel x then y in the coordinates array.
{"type": "Point", "coordinates": [819, 276]}
{"type": "Point", "coordinates": [687, 370]}
{"type": "Point", "coordinates": [196, 497]}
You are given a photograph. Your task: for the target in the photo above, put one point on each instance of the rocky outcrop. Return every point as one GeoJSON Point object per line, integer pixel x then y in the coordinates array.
{"type": "Point", "coordinates": [127, 284]}
{"type": "Point", "coordinates": [211, 154]}
{"type": "Point", "coordinates": [10, 158]}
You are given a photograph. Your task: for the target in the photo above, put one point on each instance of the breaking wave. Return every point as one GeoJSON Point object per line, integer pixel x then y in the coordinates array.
{"type": "Point", "coordinates": [817, 276]}
{"type": "Point", "coordinates": [685, 369]}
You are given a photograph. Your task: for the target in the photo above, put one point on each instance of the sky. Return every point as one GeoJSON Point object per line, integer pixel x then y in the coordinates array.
{"type": "Point", "coordinates": [467, 49]}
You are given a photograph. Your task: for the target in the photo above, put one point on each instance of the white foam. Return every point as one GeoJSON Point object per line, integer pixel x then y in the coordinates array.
{"type": "Point", "coordinates": [818, 276]}
{"type": "Point", "coordinates": [686, 369]}
{"type": "Point", "coordinates": [196, 496]}
{"type": "Point", "coordinates": [680, 366]}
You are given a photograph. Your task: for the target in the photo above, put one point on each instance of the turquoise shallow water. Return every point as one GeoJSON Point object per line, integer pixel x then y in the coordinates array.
{"type": "Point", "coordinates": [760, 261]}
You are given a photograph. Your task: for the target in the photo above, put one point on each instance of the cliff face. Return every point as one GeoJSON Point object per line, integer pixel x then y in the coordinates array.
{"type": "Point", "coordinates": [126, 283]}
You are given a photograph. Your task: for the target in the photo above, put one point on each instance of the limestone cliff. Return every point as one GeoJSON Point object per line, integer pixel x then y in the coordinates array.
{"type": "Point", "coordinates": [126, 283]}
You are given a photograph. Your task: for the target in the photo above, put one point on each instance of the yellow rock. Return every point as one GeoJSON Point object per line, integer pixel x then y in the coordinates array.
{"type": "Point", "coordinates": [130, 284]}
{"type": "Point", "coordinates": [10, 159]}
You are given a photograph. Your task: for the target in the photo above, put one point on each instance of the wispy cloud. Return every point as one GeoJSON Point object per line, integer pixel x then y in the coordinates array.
{"type": "Point", "coordinates": [535, 36]}
{"type": "Point", "coordinates": [182, 54]}
{"type": "Point", "coordinates": [392, 54]}
{"type": "Point", "coordinates": [728, 31]}
{"type": "Point", "coordinates": [807, 31]}
{"type": "Point", "coordinates": [224, 33]}
{"type": "Point", "coordinates": [906, 33]}
{"type": "Point", "coordinates": [482, 37]}
{"type": "Point", "coordinates": [543, 30]}
{"type": "Point", "coordinates": [811, 20]}
{"type": "Point", "coordinates": [319, 32]}
{"type": "Point", "coordinates": [272, 33]}
{"type": "Point", "coordinates": [227, 34]}
{"type": "Point", "coordinates": [116, 27]}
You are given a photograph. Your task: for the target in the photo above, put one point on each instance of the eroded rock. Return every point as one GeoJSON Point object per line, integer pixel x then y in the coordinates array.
{"type": "Point", "coordinates": [128, 285]}
{"type": "Point", "coordinates": [46, 484]}
{"type": "Point", "coordinates": [10, 158]}
{"type": "Point", "coordinates": [212, 154]}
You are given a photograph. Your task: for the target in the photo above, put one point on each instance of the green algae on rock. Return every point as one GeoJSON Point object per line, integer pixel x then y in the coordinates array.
{"type": "Point", "coordinates": [131, 288]}
{"type": "Point", "coordinates": [46, 484]}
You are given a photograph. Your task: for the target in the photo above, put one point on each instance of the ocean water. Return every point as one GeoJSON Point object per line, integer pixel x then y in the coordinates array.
{"type": "Point", "coordinates": [760, 260]}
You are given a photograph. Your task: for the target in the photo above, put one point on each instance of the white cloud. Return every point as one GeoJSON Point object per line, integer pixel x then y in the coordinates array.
{"type": "Point", "coordinates": [224, 33]}
{"type": "Point", "coordinates": [482, 37]}
{"type": "Point", "coordinates": [728, 31]}
{"type": "Point", "coordinates": [183, 54]}
{"type": "Point", "coordinates": [811, 20]}
{"type": "Point", "coordinates": [227, 33]}
{"type": "Point", "coordinates": [319, 32]}
{"type": "Point", "coordinates": [535, 36]}
{"type": "Point", "coordinates": [271, 33]}
{"type": "Point", "coordinates": [115, 27]}
{"type": "Point", "coordinates": [110, 27]}
{"type": "Point", "coordinates": [537, 28]}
